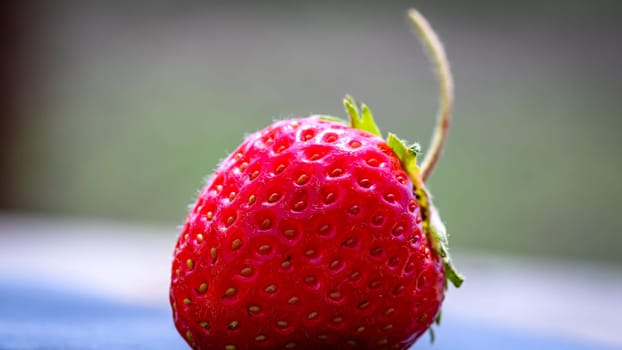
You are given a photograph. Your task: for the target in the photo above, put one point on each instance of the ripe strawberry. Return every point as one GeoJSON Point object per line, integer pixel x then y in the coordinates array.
{"type": "Point", "coordinates": [311, 234]}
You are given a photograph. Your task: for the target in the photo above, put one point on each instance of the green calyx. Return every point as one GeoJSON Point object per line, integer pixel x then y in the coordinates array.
{"type": "Point", "coordinates": [363, 120]}
{"type": "Point", "coordinates": [432, 224]}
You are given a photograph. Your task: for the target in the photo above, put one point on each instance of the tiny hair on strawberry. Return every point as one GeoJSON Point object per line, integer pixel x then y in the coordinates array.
{"type": "Point", "coordinates": [317, 233]}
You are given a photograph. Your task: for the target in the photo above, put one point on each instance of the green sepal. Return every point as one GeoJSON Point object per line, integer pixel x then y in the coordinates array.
{"type": "Point", "coordinates": [432, 335]}
{"type": "Point", "coordinates": [437, 323]}
{"type": "Point", "coordinates": [330, 118]}
{"type": "Point", "coordinates": [433, 226]}
{"type": "Point", "coordinates": [407, 155]}
{"type": "Point", "coordinates": [441, 245]}
{"type": "Point", "coordinates": [363, 120]}
{"type": "Point", "coordinates": [437, 320]}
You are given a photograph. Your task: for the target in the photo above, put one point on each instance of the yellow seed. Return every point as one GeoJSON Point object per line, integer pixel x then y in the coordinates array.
{"type": "Point", "coordinates": [200, 237]}
{"type": "Point", "coordinates": [246, 271]}
{"type": "Point", "coordinates": [290, 345]}
{"type": "Point", "coordinates": [231, 196]}
{"type": "Point", "coordinates": [324, 229]}
{"type": "Point", "coordinates": [351, 342]}
{"type": "Point", "coordinates": [230, 220]}
{"type": "Point", "coordinates": [186, 237]}
{"type": "Point", "coordinates": [254, 308]}
{"type": "Point", "coordinates": [337, 319]}
{"type": "Point", "coordinates": [322, 337]}
{"type": "Point", "coordinates": [336, 172]}
{"type": "Point", "coordinates": [389, 311]}
{"type": "Point", "coordinates": [260, 337]}
{"type": "Point", "coordinates": [307, 134]}
{"type": "Point", "coordinates": [374, 284]}
{"type": "Point", "coordinates": [190, 264]}
{"type": "Point", "coordinates": [251, 199]}
{"type": "Point", "coordinates": [282, 323]}
{"type": "Point", "coordinates": [312, 315]}
{"type": "Point", "coordinates": [289, 233]}
{"type": "Point", "coordinates": [330, 197]}
{"type": "Point", "coordinates": [274, 197]}
{"type": "Point", "coordinates": [360, 329]}
{"type": "Point", "coordinates": [233, 325]}
{"type": "Point", "coordinates": [230, 347]}
{"type": "Point", "coordinates": [178, 272]}
{"type": "Point", "coordinates": [293, 300]}
{"type": "Point", "coordinates": [210, 215]}
{"type": "Point", "coordinates": [204, 324]}
{"type": "Point", "coordinates": [285, 264]}
{"type": "Point", "coordinates": [213, 253]}
{"type": "Point", "coordinates": [266, 224]}
{"type": "Point", "coordinates": [187, 301]}
{"type": "Point", "coordinates": [299, 206]}
{"type": "Point", "coordinates": [188, 335]}
{"type": "Point", "coordinates": [271, 288]}
{"type": "Point", "coordinates": [335, 295]}
{"type": "Point", "coordinates": [365, 183]}
{"type": "Point", "coordinates": [310, 252]}
{"type": "Point", "coordinates": [382, 341]}
{"type": "Point", "coordinates": [387, 327]}
{"type": "Point", "coordinates": [230, 292]}
{"type": "Point", "coordinates": [264, 248]}
{"type": "Point", "coordinates": [203, 288]}
{"type": "Point", "coordinates": [236, 244]}
{"type": "Point", "coordinates": [302, 179]}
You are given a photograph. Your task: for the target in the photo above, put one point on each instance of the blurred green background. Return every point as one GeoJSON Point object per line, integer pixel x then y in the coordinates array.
{"type": "Point", "coordinates": [118, 110]}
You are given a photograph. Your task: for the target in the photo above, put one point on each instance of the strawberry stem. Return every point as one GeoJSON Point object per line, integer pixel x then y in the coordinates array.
{"type": "Point", "coordinates": [434, 48]}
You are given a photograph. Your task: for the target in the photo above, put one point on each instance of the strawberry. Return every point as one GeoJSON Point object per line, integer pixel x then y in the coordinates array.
{"type": "Point", "coordinates": [313, 233]}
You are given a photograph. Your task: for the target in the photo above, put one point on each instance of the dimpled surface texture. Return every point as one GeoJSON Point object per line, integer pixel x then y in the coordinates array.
{"type": "Point", "coordinates": [307, 236]}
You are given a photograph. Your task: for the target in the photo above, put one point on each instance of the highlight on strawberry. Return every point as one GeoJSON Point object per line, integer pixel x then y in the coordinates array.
{"type": "Point", "coordinates": [318, 233]}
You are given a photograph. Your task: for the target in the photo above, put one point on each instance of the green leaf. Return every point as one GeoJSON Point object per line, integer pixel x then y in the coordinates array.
{"type": "Point", "coordinates": [363, 120]}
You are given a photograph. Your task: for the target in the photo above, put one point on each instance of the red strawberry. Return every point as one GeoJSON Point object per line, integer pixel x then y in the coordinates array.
{"type": "Point", "coordinates": [311, 234]}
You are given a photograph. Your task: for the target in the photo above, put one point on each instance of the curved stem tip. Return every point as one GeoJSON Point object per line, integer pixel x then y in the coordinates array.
{"type": "Point", "coordinates": [436, 52]}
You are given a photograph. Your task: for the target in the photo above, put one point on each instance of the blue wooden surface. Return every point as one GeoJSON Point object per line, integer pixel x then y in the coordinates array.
{"type": "Point", "coordinates": [32, 317]}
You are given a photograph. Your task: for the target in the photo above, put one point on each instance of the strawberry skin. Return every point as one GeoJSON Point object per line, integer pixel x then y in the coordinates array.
{"type": "Point", "coordinates": [309, 235]}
